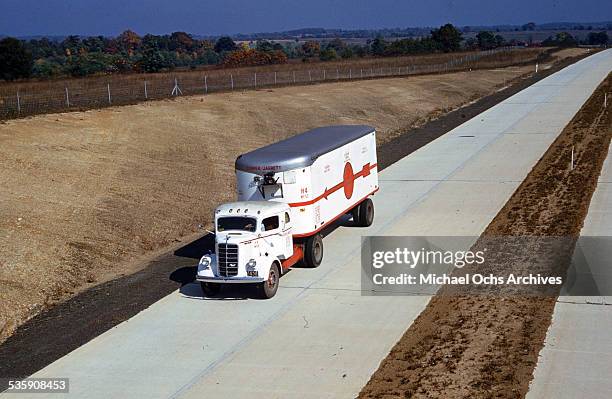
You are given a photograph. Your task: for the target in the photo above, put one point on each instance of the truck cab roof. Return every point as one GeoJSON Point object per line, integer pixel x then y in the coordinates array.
{"type": "Point", "coordinates": [256, 209]}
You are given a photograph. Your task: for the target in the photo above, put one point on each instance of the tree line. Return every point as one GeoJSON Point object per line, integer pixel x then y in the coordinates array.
{"type": "Point", "coordinates": [129, 52]}
{"type": "Point", "coordinates": [564, 39]}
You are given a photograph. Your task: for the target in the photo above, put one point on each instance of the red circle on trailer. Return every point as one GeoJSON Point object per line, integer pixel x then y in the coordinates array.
{"type": "Point", "coordinates": [348, 180]}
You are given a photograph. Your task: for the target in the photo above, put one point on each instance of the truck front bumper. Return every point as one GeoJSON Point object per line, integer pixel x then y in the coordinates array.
{"type": "Point", "coordinates": [230, 280]}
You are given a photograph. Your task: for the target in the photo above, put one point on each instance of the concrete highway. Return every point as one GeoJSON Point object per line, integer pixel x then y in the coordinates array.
{"type": "Point", "coordinates": [320, 337]}
{"type": "Point", "coordinates": [576, 360]}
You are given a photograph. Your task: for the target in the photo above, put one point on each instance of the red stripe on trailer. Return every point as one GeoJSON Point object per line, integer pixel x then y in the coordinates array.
{"type": "Point", "coordinates": [333, 220]}
{"type": "Point", "coordinates": [365, 171]}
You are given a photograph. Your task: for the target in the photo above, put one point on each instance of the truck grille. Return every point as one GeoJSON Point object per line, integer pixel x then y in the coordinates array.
{"type": "Point", "coordinates": [228, 260]}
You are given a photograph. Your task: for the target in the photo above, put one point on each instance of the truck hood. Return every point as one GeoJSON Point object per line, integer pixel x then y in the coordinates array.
{"type": "Point", "coordinates": [234, 237]}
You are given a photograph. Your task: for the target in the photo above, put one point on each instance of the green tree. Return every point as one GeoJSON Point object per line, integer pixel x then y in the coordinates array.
{"type": "Point", "coordinates": [597, 38]}
{"type": "Point", "coordinates": [208, 57]}
{"type": "Point", "coordinates": [447, 37]}
{"type": "Point", "coordinates": [346, 52]}
{"type": "Point", "coordinates": [87, 64]}
{"type": "Point", "coordinates": [378, 46]}
{"type": "Point", "coordinates": [328, 54]}
{"type": "Point", "coordinates": [152, 60]}
{"type": "Point", "coordinates": [44, 68]}
{"type": "Point", "coordinates": [565, 39]}
{"type": "Point", "coordinates": [530, 26]}
{"type": "Point", "coordinates": [15, 60]}
{"type": "Point", "coordinates": [337, 44]}
{"type": "Point", "coordinates": [224, 44]}
{"type": "Point", "coordinates": [72, 45]}
{"type": "Point", "coordinates": [486, 40]}
{"type": "Point", "coordinates": [264, 45]}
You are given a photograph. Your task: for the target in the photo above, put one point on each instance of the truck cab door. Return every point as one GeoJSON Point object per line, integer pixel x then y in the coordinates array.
{"type": "Point", "coordinates": [287, 234]}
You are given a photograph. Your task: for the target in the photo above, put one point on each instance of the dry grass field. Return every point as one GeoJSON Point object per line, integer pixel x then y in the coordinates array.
{"type": "Point", "coordinates": [88, 196]}
{"type": "Point", "coordinates": [20, 99]}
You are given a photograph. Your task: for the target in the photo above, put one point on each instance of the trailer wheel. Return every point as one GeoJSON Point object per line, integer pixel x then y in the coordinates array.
{"type": "Point", "coordinates": [365, 213]}
{"type": "Point", "coordinates": [355, 213]}
{"type": "Point", "coordinates": [313, 251]}
{"type": "Point", "coordinates": [210, 289]}
{"type": "Point", "coordinates": [268, 288]}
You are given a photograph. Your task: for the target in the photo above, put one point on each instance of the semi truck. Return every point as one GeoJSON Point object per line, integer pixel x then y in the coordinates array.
{"type": "Point", "coordinates": [288, 193]}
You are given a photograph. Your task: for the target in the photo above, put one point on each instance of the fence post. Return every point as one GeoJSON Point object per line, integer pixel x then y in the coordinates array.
{"type": "Point", "coordinates": [109, 95]}
{"type": "Point", "coordinates": [293, 77]}
{"type": "Point", "coordinates": [309, 76]}
{"type": "Point", "coordinates": [255, 76]}
{"type": "Point", "coordinates": [232, 80]}
{"type": "Point", "coordinates": [67, 98]}
{"type": "Point", "coordinates": [18, 103]}
{"type": "Point", "coordinates": [274, 77]}
{"type": "Point", "coordinates": [323, 74]}
{"type": "Point", "coordinates": [361, 73]}
{"type": "Point", "coordinates": [337, 74]}
{"type": "Point", "coordinates": [206, 84]}
{"type": "Point", "coordinates": [177, 90]}
{"type": "Point", "coordinates": [145, 88]}
{"type": "Point", "coordinates": [350, 73]}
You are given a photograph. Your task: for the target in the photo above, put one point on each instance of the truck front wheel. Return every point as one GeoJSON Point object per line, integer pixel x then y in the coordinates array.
{"type": "Point", "coordinates": [210, 289]}
{"type": "Point", "coordinates": [269, 287]}
{"type": "Point", "coordinates": [313, 251]}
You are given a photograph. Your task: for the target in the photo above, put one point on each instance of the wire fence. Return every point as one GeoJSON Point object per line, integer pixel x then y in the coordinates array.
{"type": "Point", "coordinates": [19, 100]}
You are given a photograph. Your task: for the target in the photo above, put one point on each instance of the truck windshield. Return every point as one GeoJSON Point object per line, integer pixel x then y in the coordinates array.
{"type": "Point", "coordinates": [236, 223]}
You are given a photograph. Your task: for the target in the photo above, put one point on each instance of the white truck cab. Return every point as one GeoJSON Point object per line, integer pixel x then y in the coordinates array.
{"type": "Point", "coordinates": [252, 239]}
{"type": "Point", "coordinates": [288, 192]}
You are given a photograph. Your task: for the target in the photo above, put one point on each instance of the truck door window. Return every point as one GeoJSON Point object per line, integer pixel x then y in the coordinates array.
{"type": "Point", "coordinates": [270, 223]}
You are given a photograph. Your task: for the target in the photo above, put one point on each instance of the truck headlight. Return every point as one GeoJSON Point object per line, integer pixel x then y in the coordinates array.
{"type": "Point", "coordinates": [251, 268]}
{"type": "Point", "coordinates": [205, 263]}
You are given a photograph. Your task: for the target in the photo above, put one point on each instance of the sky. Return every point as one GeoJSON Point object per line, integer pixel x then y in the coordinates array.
{"type": "Point", "coordinates": [215, 17]}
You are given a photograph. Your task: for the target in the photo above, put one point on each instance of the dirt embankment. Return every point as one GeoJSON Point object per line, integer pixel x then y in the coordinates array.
{"type": "Point", "coordinates": [484, 347]}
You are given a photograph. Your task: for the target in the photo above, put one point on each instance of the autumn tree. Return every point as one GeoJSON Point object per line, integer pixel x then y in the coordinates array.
{"type": "Point", "coordinates": [253, 57]}
{"type": "Point", "coordinates": [311, 48]}
{"type": "Point", "coordinates": [128, 41]}
{"type": "Point", "coordinates": [181, 41]}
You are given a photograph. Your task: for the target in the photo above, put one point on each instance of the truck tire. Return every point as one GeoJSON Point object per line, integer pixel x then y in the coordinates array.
{"type": "Point", "coordinates": [268, 288]}
{"type": "Point", "coordinates": [355, 213]}
{"type": "Point", "coordinates": [210, 289]}
{"type": "Point", "coordinates": [313, 251]}
{"type": "Point", "coordinates": [365, 214]}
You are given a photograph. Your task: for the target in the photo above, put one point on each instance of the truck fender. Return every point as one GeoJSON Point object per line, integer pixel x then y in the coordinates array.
{"type": "Point", "coordinates": [265, 268]}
